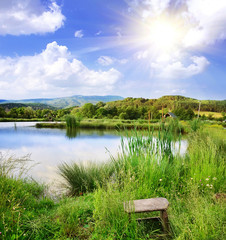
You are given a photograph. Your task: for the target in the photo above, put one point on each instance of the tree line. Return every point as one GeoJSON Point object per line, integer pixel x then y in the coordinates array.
{"type": "Point", "coordinates": [129, 108]}
{"type": "Point", "coordinates": [30, 113]}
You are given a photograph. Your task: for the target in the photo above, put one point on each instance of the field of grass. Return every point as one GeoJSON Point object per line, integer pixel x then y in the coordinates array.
{"type": "Point", "coordinates": [193, 183]}
{"type": "Point", "coordinates": [214, 114]}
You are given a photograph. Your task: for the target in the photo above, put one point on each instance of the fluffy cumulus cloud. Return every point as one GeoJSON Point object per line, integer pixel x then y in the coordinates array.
{"type": "Point", "coordinates": [53, 69]}
{"type": "Point", "coordinates": [209, 22]}
{"type": "Point", "coordinates": [23, 17]}
{"type": "Point", "coordinates": [177, 70]}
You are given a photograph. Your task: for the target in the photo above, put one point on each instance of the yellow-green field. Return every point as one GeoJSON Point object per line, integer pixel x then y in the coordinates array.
{"type": "Point", "coordinates": [214, 114]}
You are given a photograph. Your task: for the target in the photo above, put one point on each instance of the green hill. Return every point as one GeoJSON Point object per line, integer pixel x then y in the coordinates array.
{"type": "Point", "coordinates": [65, 102]}
{"type": "Point", "coordinates": [172, 102]}
{"type": "Point", "coordinates": [34, 106]}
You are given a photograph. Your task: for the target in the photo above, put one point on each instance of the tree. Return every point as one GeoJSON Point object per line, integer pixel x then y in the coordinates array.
{"type": "Point", "coordinates": [123, 115]}
{"type": "Point", "coordinates": [101, 112]}
{"type": "Point", "coordinates": [13, 113]}
{"type": "Point", "coordinates": [29, 112]}
{"type": "Point", "coordinates": [88, 110]}
{"type": "Point", "coordinates": [189, 114]}
{"type": "Point", "coordinates": [2, 112]}
{"type": "Point", "coordinates": [100, 104]}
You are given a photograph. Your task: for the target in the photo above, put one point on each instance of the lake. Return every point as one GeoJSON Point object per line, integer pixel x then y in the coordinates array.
{"type": "Point", "coordinates": [51, 147]}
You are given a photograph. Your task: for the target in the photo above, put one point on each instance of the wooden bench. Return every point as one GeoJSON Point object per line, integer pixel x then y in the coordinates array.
{"type": "Point", "coordinates": [149, 205]}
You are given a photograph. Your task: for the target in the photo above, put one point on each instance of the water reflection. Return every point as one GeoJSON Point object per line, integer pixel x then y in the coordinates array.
{"type": "Point", "coordinates": [51, 147]}
{"type": "Point", "coordinates": [71, 133]}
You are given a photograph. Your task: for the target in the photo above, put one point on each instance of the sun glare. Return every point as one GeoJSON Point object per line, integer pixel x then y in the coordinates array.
{"type": "Point", "coordinates": [163, 34]}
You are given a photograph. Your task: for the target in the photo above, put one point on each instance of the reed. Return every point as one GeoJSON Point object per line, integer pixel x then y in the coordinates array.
{"type": "Point", "coordinates": [82, 178]}
{"type": "Point", "coordinates": [71, 121]}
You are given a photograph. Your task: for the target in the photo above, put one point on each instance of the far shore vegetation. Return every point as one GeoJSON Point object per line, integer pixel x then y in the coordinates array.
{"type": "Point", "coordinates": [127, 109]}
{"type": "Point", "coordinates": [129, 113]}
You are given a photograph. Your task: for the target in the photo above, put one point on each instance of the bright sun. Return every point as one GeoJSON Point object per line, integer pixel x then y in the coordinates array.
{"type": "Point", "coordinates": [163, 34]}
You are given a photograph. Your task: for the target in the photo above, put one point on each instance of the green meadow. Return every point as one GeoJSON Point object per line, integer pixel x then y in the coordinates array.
{"type": "Point", "coordinates": [92, 204]}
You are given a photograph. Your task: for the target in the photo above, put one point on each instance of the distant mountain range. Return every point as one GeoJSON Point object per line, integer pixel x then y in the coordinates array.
{"type": "Point", "coordinates": [64, 102]}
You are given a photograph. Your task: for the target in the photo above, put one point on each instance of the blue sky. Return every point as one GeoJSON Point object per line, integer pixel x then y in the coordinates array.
{"type": "Point", "coordinates": [131, 48]}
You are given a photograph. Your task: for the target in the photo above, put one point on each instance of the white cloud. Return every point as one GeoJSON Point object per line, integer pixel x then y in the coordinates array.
{"type": "Point", "coordinates": [53, 70]}
{"type": "Point", "coordinates": [79, 34]}
{"type": "Point", "coordinates": [106, 60]}
{"type": "Point", "coordinates": [23, 17]}
{"type": "Point", "coordinates": [209, 22]}
{"type": "Point", "coordinates": [195, 24]}
{"type": "Point", "coordinates": [178, 70]}
{"type": "Point", "coordinates": [147, 8]}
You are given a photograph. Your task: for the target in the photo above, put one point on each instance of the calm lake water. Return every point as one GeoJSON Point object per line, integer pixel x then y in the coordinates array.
{"type": "Point", "coordinates": [51, 147]}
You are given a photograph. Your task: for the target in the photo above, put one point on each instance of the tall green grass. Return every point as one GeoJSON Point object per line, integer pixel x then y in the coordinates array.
{"type": "Point", "coordinates": [189, 183]}
{"type": "Point", "coordinates": [195, 124]}
{"type": "Point", "coordinates": [24, 207]}
{"type": "Point", "coordinates": [71, 121]}
{"type": "Point", "coordinates": [82, 178]}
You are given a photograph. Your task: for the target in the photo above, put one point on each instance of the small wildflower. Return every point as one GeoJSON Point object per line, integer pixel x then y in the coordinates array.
{"type": "Point", "coordinates": [207, 179]}
{"type": "Point", "coordinates": [0, 233]}
{"type": "Point", "coordinates": [214, 178]}
{"type": "Point", "coordinates": [200, 180]}
{"type": "Point", "coordinates": [207, 185]}
{"type": "Point", "coordinates": [191, 178]}
{"type": "Point", "coordinates": [211, 186]}
{"type": "Point", "coordinates": [160, 179]}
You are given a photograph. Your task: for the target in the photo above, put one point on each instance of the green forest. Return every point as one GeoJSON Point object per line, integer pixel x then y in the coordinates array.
{"type": "Point", "coordinates": [128, 109]}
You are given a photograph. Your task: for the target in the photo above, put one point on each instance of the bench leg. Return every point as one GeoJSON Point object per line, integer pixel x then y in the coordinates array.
{"type": "Point", "coordinates": [164, 218]}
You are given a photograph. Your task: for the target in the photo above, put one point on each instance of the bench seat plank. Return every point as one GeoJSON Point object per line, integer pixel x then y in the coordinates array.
{"type": "Point", "coordinates": [146, 205]}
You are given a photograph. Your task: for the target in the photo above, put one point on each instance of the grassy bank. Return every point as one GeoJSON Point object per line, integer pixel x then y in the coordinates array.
{"type": "Point", "coordinates": [193, 183]}
{"type": "Point", "coordinates": [117, 124]}
{"type": "Point", "coordinates": [21, 120]}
